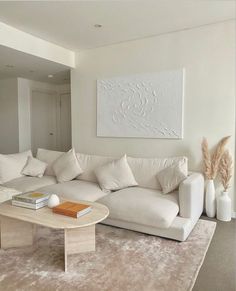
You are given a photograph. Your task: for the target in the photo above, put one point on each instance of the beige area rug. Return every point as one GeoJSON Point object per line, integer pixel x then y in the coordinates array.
{"type": "Point", "coordinates": [124, 261]}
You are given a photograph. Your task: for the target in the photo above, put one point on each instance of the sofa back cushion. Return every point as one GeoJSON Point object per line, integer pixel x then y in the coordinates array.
{"type": "Point", "coordinates": [143, 169]}
{"type": "Point", "coordinates": [89, 163]}
{"type": "Point", "coordinates": [12, 165]}
{"type": "Point", "coordinates": [146, 169]}
{"type": "Point", "coordinates": [48, 157]}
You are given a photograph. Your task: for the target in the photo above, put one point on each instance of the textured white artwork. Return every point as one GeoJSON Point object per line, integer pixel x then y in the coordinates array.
{"type": "Point", "coordinates": [148, 105]}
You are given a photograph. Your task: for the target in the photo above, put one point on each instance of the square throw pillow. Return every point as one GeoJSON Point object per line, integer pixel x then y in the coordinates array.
{"type": "Point", "coordinates": [48, 157]}
{"type": "Point", "coordinates": [170, 178]}
{"type": "Point", "coordinates": [90, 162]}
{"type": "Point", "coordinates": [66, 167]}
{"type": "Point", "coordinates": [12, 165]}
{"type": "Point", "coordinates": [34, 168]}
{"type": "Point", "coordinates": [115, 175]}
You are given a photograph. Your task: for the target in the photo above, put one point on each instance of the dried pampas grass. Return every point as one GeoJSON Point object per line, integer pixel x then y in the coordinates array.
{"type": "Point", "coordinates": [217, 155]}
{"type": "Point", "coordinates": [206, 158]}
{"type": "Point", "coordinates": [212, 163]}
{"type": "Point", "coordinates": [226, 169]}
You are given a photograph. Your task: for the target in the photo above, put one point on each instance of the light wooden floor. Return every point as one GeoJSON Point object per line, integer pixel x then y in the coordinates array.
{"type": "Point", "coordinates": [218, 272]}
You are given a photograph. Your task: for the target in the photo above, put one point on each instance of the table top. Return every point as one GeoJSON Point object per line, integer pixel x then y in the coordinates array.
{"type": "Point", "coordinates": [45, 217]}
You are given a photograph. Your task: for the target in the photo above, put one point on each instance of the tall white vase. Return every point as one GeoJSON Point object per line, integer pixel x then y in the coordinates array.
{"type": "Point", "coordinates": [224, 207]}
{"type": "Point", "coordinates": [210, 199]}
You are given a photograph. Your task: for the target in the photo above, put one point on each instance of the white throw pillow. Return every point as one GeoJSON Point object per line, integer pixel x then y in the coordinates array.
{"type": "Point", "coordinates": [66, 167]}
{"type": "Point", "coordinates": [49, 157]}
{"type": "Point", "coordinates": [89, 163]}
{"type": "Point", "coordinates": [171, 177]}
{"type": "Point", "coordinates": [34, 168]}
{"type": "Point", "coordinates": [146, 169]}
{"type": "Point", "coordinates": [12, 165]}
{"type": "Point", "coordinates": [115, 175]}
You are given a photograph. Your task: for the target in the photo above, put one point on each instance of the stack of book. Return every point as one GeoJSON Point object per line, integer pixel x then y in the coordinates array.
{"type": "Point", "coordinates": [32, 200]}
{"type": "Point", "coordinates": [72, 209]}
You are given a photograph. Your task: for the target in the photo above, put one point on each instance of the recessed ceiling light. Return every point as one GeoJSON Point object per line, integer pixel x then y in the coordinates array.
{"type": "Point", "coordinates": [98, 25]}
{"type": "Point", "coordinates": [10, 66]}
{"type": "Point", "coordinates": [50, 76]}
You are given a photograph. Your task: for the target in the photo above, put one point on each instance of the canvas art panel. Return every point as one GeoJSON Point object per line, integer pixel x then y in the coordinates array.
{"type": "Point", "coordinates": [146, 106]}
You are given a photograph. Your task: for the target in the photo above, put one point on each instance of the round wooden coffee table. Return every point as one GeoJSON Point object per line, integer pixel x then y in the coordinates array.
{"type": "Point", "coordinates": [17, 226]}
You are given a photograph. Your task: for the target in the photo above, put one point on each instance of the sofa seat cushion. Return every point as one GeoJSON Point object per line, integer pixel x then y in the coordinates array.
{"type": "Point", "coordinates": [26, 184]}
{"type": "Point", "coordinates": [75, 190]}
{"type": "Point", "coordinates": [143, 206]}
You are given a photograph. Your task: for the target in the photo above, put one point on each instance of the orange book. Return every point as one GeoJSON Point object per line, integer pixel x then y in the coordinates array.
{"type": "Point", "coordinates": [72, 209]}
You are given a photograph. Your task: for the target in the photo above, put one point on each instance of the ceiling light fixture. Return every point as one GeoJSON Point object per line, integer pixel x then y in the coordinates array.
{"type": "Point", "coordinates": [97, 25]}
{"type": "Point", "coordinates": [50, 76]}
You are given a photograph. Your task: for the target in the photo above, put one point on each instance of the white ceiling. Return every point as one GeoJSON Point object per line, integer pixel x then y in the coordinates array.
{"type": "Point", "coordinates": [71, 23]}
{"type": "Point", "coordinates": [31, 67]}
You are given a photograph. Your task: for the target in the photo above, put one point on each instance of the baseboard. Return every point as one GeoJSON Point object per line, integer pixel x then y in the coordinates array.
{"type": "Point", "coordinates": [233, 214]}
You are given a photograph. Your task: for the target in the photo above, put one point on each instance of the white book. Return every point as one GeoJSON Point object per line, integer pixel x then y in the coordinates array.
{"type": "Point", "coordinates": [29, 205]}
{"type": "Point", "coordinates": [83, 212]}
{"type": "Point", "coordinates": [31, 197]}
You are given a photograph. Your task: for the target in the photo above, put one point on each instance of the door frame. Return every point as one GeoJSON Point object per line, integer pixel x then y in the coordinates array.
{"type": "Point", "coordinates": [61, 93]}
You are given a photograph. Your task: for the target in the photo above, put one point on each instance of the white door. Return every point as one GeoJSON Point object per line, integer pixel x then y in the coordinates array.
{"type": "Point", "coordinates": [43, 120]}
{"type": "Point", "coordinates": [65, 122]}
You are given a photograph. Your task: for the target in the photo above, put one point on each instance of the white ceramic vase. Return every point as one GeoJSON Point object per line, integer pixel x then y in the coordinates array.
{"type": "Point", "coordinates": [224, 207]}
{"type": "Point", "coordinates": [53, 201]}
{"type": "Point", "coordinates": [210, 199]}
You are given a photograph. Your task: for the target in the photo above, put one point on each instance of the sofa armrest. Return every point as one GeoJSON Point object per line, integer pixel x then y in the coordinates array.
{"type": "Point", "coordinates": [191, 196]}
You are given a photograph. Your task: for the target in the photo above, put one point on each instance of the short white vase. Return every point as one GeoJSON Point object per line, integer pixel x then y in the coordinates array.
{"type": "Point", "coordinates": [224, 207]}
{"type": "Point", "coordinates": [53, 201]}
{"type": "Point", "coordinates": [210, 199]}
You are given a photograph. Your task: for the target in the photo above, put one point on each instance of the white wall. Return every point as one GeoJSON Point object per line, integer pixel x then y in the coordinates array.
{"type": "Point", "coordinates": [24, 114]}
{"type": "Point", "coordinates": [9, 142]}
{"type": "Point", "coordinates": [208, 55]}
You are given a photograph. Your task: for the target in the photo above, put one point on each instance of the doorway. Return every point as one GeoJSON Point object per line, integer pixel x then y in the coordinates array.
{"type": "Point", "coordinates": [50, 120]}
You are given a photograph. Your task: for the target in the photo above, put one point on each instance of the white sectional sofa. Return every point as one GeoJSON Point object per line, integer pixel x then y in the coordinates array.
{"type": "Point", "coordinates": [142, 208]}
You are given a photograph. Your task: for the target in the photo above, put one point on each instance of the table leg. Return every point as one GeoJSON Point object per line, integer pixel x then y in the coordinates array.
{"type": "Point", "coordinates": [15, 233]}
{"type": "Point", "coordinates": [78, 240]}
